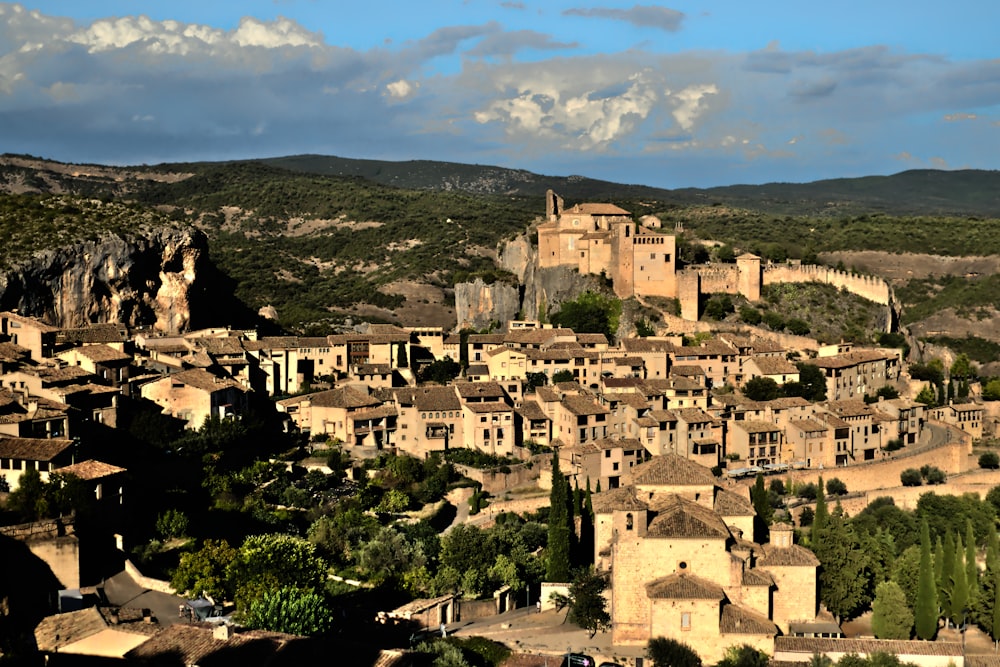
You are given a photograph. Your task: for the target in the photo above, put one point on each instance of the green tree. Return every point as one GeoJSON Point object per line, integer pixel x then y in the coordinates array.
{"type": "Point", "coordinates": [743, 656]}
{"type": "Point", "coordinates": [835, 487]}
{"type": "Point", "coordinates": [389, 554]}
{"type": "Point", "coordinates": [28, 500]}
{"type": "Point", "coordinates": [989, 460]}
{"type": "Point", "coordinates": [926, 610]}
{"type": "Point", "coordinates": [590, 313]}
{"type": "Point", "coordinates": [843, 577]}
{"type": "Point", "coordinates": [643, 329]}
{"type": "Point", "coordinates": [971, 570]}
{"type": "Point", "coordinates": [587, 606]}
{"type": "Point", "coordinates": [822, 516]}
{"type": "Point", "coordinates": [764, 513]}
{"type": "Point", "coordinates": [558, 550]}
{"type": "Point", "coordinates": [563, 375]}
{"type": "Point", "coordinates": [963, 368]}
{"type": "Point", "coordinates": [906, 574]}
{"type": "Point", "coordinates": [946, 582]}
{"type": "Point", "coordinates": [533, 381]}
{"type": "Point", "coordinates": [172, 523]}
{"type": "Point", "coordinates": [268, 562]}
{"type": "Point", "coordinates": [206, 571]}
{"type": "Point", "coordinates": [812, 381]}
{"type": "Point", "coordinates": [664, 652]}
{"type": "Point", "coordinates": [292, 610]}
{"type": "Point", "coordinates": [891, 617]}
{"type": "Point", "coordinates": [761, 389]}
{"type": "Point", "coordinates": [911, 477]}
{"type": "Point", "coordinates": [959, 585]}
{"type": "Point", "coordinates": [750, 315]}
{"type": "Point", "coordinates": [441, 371]}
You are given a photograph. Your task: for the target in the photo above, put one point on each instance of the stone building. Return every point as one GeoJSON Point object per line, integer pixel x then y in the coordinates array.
{"type": "Point", "coordinates": [682, 564]}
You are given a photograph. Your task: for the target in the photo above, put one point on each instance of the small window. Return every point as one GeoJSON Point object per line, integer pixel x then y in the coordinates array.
{"type": "Point", "coordinates": [628, 522]}
{"type": "Point", "coordinates": [686, 620]}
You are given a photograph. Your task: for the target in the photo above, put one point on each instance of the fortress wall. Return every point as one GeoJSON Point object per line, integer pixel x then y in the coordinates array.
{"type": "Point", "coordinates": [870, 287]}
{"type": "Point", "coordinates": [720, 279]}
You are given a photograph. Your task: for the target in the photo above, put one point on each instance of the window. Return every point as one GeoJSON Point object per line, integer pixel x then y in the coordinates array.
{"type": "Point", "coordinates": [628, 522]}
{"type": "Point", "coordinates": [685, 620]}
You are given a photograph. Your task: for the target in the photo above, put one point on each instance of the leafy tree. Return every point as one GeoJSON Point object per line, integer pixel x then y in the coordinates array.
{"type": "Point", "coordinates": [887, 392]}
{"type": "Point", "coordinates": [665, 652]}
{"type": "Point", "coordinates": [933, 474]}
{"type": "Point", "coordinates": [441, 371]}
{"type": "Point", "coordinates": [963, 368]}
{"type": "Point", "coordinates": [926, 396]}
{"type": "Point", "coordinates": [843, 577]}
{"type": "Point", "coordinates": [991, 390]}
{"type": "Point", "coordinates": [989, 460]}
{"type": "Point", "coordinates": [926, 610]}
{"type": "Point", "coordinates": [812, 381]}
{"type": "Point", "coordinates": [797, 326]}
{"type": "Point", "coordinates": [206, 571]}
{"type": "Point", "coordinates": [389, 554]}
{"type": "Point", "coordinates": [761, 389]}
{"type": "Point", "coordinates": [563, 376]}
{"type": "Point", "coordinates": [28, 499]}
{"type": "Point", "coordinates": [172, 523]}
{"type": "Point", "coordinates": [533, 381]}
{"type": "Point", "coordinates": [643, 329]}
{"type": "Point", "coordinates": [587, 606]}
{"type": "Point", "coordinates": [725, 254]}
{"type": "Point", "coordinates": [891, 617]}
{"type": "Point", "coordinates": [835, 487]}
{"type": "Point", "coordinates": [269, 562]}
{"type": "Point", "coordinates": [292, 610]}
{"type": "Point", "coordinates": [911, 477]}
{"type": "Point", "coordinates": [718, 306]}
{"type": "Point", "coordinates": [590, 313]}
{"type": "Point", "coordinates": [750, 315]}
{"type": "Point", "coordinates": [906, 574]}
{"type": "Point", "coordinates": [743, 656]}
{"type": "Point", "coordinates": [762, 509]}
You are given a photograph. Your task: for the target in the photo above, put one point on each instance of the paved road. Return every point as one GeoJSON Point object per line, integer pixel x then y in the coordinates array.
{"type": "Point", "coordinates": [121, 590]}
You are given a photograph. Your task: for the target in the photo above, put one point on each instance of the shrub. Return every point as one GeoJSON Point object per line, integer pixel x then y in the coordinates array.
{"type": "Point", "coordinates": [911, 477]}
{"type": "Point", "coordinates": [809, 491]}
{"type": "Point", "coordinates": [989, 460]}
{"type": "Point", "coordinates": [835, 487]}
{"type": "Point", "coordinates": [934, 475]}
{"type": "Point", "coordinates": [893, 445]}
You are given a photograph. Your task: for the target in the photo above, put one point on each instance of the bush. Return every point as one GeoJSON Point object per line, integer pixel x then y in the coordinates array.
{"type": "Point", "coordinates": [835, 487]}
{"type": "Point", "coordinates": [911, 477]}
{"type": "Point", "coordinates": [750, 315]}
{"type": "Point", "coordinates": [933, 475]}
{"type": "Point", "coordinates": [810, 492]}
{"type": "Point", "coordinates": [893, 445]}
{"type": "Point", "coordinates": [989, 460]}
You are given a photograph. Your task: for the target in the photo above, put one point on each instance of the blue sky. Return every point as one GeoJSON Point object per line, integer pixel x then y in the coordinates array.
{"type": "Point", "coordinates": [687, 94]}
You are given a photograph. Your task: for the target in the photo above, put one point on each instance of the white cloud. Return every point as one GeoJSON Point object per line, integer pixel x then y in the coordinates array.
{"type": "Point", "coordinates": [273, 34]}
{"type": "Point", "coordinates": [400, 89]}
{"type": "Point", "coordinates": [690, 103]}
{"type": "Point", "coordinates": [952, 117]}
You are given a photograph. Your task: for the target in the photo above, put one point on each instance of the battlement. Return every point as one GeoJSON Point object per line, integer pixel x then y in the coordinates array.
{"type": "Point", "coordinates": [872, 288]}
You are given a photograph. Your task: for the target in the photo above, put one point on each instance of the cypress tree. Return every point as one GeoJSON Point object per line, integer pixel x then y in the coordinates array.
{"type": "Point", "coordinates": [822, 513]}
{"type": "Point", "coordinates": [763, 513]}
{"type": "Point", "coordinates": [925, 613]}
{"type": "Point", "coordinates": [946, 582]}
{"type": "Point", "coordinates": [971, 569]}
{"type": "Point", "coordinates": [574, 541]}
{"type": "Point", "coordinates": [587, 528]}
{"type": "Point", "coordinates": [959, 586]}
{"type": "Point", "coordinates": [558, 565]}
{"type": "Point", "coordinates": [995, 625]}
{"type": "Point", "coordinates": [992, 544]}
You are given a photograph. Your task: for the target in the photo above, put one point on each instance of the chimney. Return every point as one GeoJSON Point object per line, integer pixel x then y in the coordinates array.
{"type": "Point", "coordinates": [222, 632]}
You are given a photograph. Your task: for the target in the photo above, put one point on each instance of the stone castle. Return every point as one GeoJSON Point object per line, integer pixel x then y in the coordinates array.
{"type": "Point", "coordinates": [640, 261]}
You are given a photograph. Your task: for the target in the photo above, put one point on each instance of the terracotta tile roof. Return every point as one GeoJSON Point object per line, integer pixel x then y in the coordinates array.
{"type": "Point", "coordinates": [620, 499]}
{"type": "Point", "coordinates": [754, 577]}
{"type": "Point", "coordinates": [632, 362]}
{"type": "Point", "coordinates": [102, 353]}
{"type": "Point", "coordinates": [663, 415]}
{"type": "Point", "coordinates": [786, 402]}
{"type": "Point", "coordinates": [95, 333]}
{"type": "Point", "coordinates": [616, 443]}
{"type": "Point", "coordinates": [684, 587]}
{"type": "Point", "coordinates": [637, 401]}
{"type": "Point", "coordinates": [678, 517]}
{"type": "Point", "coordinates": [851, 359]}
{"type": "Point", "coordinates": [808, 425]}
{"type": "Point", "coordinates": [537, 336]}
{"type": "Point", "coordinates": [29, 322]}
{"type": "Point", "coordinates": [591, 339]}
{"type": "Point", "coordinates": [787, 556]}
{"type": "Point", "coordinates": [420, 606]}
{"type": "Point", "coordinates": [751, 426]}
{"type": "Point", "coordinates": [693, 415]}
{"type": "Point", "coordinates": [583, 405]}
{"type": "Point", "coordinates": [202, 379]}
{"type": "Point", "coordinates": [687, 370]}
{"type": "Point", "coordinates": [61, 630]}
{"type": "Point", "coordinates": [487, 407]}
{"type": "Point", "coordinates": [596, 209]}
{"type": "Point", "coordinates": [728, 503]}
{"type": "Point", "coordinates": [429, 398]}
{"type": "Point", "coordinates": [227, 346]}
{"type": "Point", "coordinates": [489, 339]}
{"type": "Point", "coordinates": [850, 408]}
{"type": "Point", "coordinates": [647, 345]}
{"type": "Point", "coordinates": [532, 411]}
{"type": "Point", "coordinates": [672, 470]}
{"type": "Point", "coordinates": [774, 366]}
{"type": "Point", "coordinates": [373, 369]}
{"type": "Point", "coordinates": [342, 397]}
{"type": "Point", "coordinates": [739, 621]}
{"type": "Point", "coordinates": [832, 419]}
{"type": "Point", "coordinates": [619, 383]}
{"type": "Point", "coordinates": [902, 648]}
{"type": "Point", "coordinates": [477, 370]}
{"type": "Point", "coordinates": [194, 644]}
{"type": "Point", "coordinates": [33, 449]}
{"type": "Point", "coordinates": [90, 470]}
{"type": "Point", "coordinates": [375, 413]}
{"type": "Point", "coordinates": [480, 390]}
{"type": "Point", "coordinates": [547, 394]}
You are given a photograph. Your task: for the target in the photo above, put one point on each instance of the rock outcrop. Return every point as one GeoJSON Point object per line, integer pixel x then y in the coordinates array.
{"type": "Point", "coordinates": [143, 279]}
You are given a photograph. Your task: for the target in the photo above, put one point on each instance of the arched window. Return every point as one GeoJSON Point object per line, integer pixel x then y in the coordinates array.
{"type": "Point", "coordinates": [628, 521]}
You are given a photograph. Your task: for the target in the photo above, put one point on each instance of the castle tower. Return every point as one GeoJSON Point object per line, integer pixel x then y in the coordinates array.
{"type": "Point", "coordinates": [622, 258]}
{"type": "Point", "coordinates": [553, 205]}
{"type": "Point", "coordinates": [749, 276]}
{"type": "Point", "coordinates": [689, 293]}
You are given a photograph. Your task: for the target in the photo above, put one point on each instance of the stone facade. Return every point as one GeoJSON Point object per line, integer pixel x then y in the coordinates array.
{"type": "Point", "coordinates": [682, 564]}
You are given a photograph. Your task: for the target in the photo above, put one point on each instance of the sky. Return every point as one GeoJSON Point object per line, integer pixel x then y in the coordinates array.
{"type": "Point", "coordinates": [690, 94]}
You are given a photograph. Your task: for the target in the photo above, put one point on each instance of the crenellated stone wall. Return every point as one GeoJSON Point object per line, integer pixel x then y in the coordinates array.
{"type": "Point", "coordinates": [870, 287]}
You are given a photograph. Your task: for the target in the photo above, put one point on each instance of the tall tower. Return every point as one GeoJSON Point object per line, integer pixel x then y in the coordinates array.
{"type": "Point", "coordinates": [749, 276]}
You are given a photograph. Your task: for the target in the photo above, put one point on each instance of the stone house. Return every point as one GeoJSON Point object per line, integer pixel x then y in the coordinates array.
{"type": "Point", "coordinates": [680, 566]}
{"type": "Point", "coordinates": [533, 423]}
{"type": "Point", "coordinates": [111, 365]}
{"type": "Point", "coordinates": [759, 443]}
{"type": "Point", "coordinates": [25, 416]}
{"type": "Point", "coordinates": [27, 332]}
{"type": "Point", "coordinates": [196, 395]}
{"type": "Point", "coordinates": [603, 462]}
{"type": "Point", "coordinates": [966, 416]}
{"type": "Point", "coordinates": [812, 443]}
{"type": "Point", "coordinates": [865, 428]}
{"type": "Point", "coordinates": [489, 427]}
{"type": "Point", "coordinates": [430, 420]}
{"type": "Point", "coordinates": [46, 455]}
{"type": "Point", "coordinates": [909, 417]}
{"type": "Point", "coordinates": [857, 373]}
{"type": "Point", "coordinates": [345, 413]}
{"type": "Point", "coordinates": [778, 369]}
{"type": "Point", "coordinates": [576, 418]}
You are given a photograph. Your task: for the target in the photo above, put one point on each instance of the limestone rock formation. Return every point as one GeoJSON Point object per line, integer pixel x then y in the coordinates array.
{"type": "Point", "coordinates": [144, 279]}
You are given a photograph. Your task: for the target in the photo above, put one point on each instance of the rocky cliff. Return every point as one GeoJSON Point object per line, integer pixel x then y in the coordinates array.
{"type": "Point", "coordinates": [143, 279]}
{"type": "Point", "coordinates": [478, 304]}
